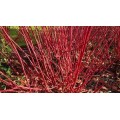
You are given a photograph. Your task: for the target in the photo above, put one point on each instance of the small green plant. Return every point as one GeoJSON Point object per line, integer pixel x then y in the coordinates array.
{"type": "Point", "coordinates": [4, 47]}
{"type": "Point", "coordinates": [4, 56]}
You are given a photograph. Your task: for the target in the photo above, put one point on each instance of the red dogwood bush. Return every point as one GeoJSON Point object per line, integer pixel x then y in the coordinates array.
{"type": "Point", "coordinates": [61, 59]}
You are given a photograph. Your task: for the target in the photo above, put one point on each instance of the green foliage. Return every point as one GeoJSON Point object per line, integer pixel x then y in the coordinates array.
{"type": "Point", "coordinates": [6, 69]}
{"type": "Point", "coordinates": [13, 33]}
{"type": "Point", "coordinates": [6, 51]}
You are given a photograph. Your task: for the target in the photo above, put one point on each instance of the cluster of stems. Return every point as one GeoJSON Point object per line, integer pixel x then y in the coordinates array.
{"type": "Point", "coordinates": [60, 59]}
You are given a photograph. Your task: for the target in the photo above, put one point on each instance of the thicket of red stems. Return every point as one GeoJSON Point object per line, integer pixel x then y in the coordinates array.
{"type": "Point", "coordinates": [64, 59]}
